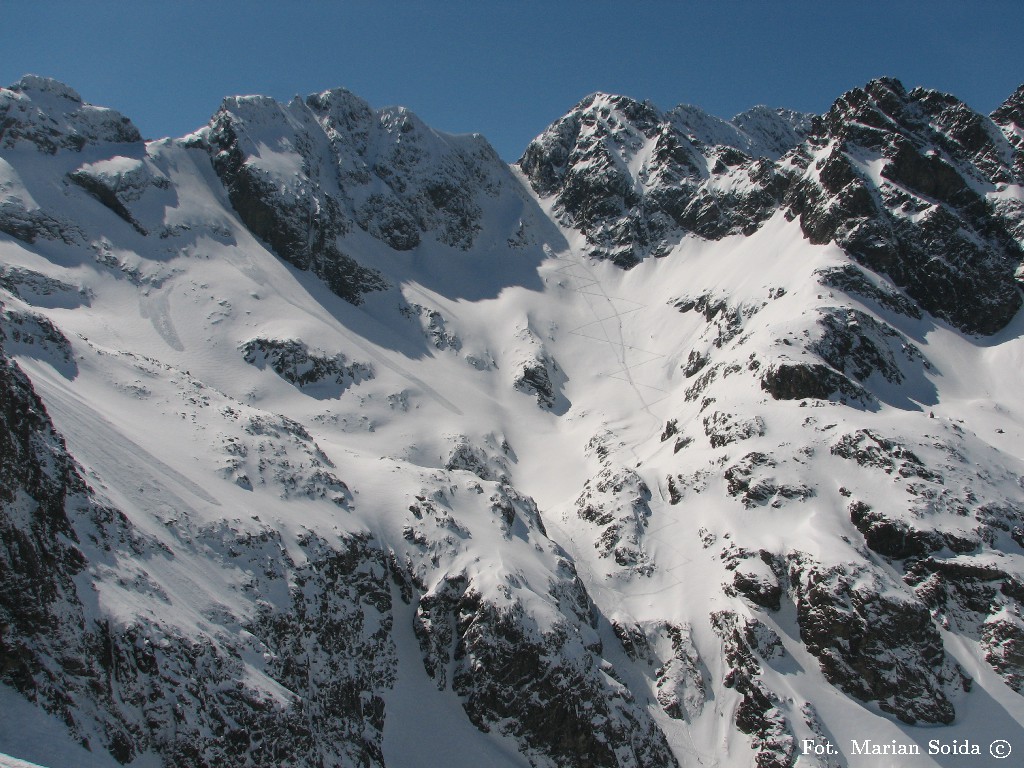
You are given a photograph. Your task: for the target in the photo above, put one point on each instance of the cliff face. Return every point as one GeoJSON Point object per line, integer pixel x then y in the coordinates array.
{"type": "Point", "coordinates": [329, 439]}
{"type": "Point", "coordinates": [634, 179]}
{"type": "Point", "coordinates": [908, 184]}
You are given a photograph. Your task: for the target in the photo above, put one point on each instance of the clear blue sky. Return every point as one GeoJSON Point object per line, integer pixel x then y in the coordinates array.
{"type": "Point", "coordinates": [507, 69]}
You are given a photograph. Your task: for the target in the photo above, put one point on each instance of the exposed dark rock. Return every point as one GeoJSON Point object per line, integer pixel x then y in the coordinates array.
{"type": "Point", "coordinates": [519, 512]}
{"type": "Point", "coordinates": [29, 226]}
{"type": "Point", "coordinates": [872, 643]}
{"type": "Point", "coordinates": [51, 116]}
{"type": "Point", "coordinates": [703, 381]}
{"type": "Point", "coordinates": [616, 500]}
{"type": "Point", "coordinates": [435, 326]}
{"type": "Point", "coordinates": [302, 228]}
{"type": "Point", "coordinates": [535, 379]}
{"type": "Point", "coordinates": [981, 600]}
{"type": "Point", "coordinates": [724, 428]}
{"type": "Point", "coordinates": [283, 455]}
{"type": "Point", "coordinates": [725, 321]}
{"type": "Point", "coordinates": [546, 689]}
{"type": "Point", "coordinates": [921, 222]}
{"type": "Point", "coordinates": [584, 161]}
{"type": "Point", "coordinates": [775, 130]}
{"type": "Point", "coordinates": [953, 258]}
{"type": "Point", "coordinates": [857, 345]}
{"type": "Point", "coordinates": [40, 555]}
{"type": "Point", "coordinates": [117, 190]}
{"type": "Point", "coordinates": [671, 428]}
{"type": "Point", "coordinates": [299, 668]}
{"type": "Point", "coordinates": [759, 589]}
{"type": "Point", "coordinates": [758, 713]}
{"type": "Point", "coordinates": [537, 373]}
{"type": "Point", "coordinates": [892, 538]}
{"type": "Point", "coordinates": [870, 449]}
{"type": "Point", "coordinates": [797, 381]}
{"type": "Point", "coordinates": [757, 576]}
{"type": "Point", "coordinates": [853, 280]}
{"type": "Point", "coordinates": [679, 680]}
{"type": "Point", "coordinates": [382, 171]}
{"type": "Point", "coordinates": [36, 288]}
{"type": "Point", "coordinates": [975, 586]}
{"type": "Point", "coordinates": [634, 641]}
{"type": "Point", "coordinates": [142, 680]}
{"type": "Point", "coordinates": [337, 605]}
{"type": "Point", "coordinates": [1009, 117]}
{"type": "Point", "coordinates": [294, 362]}
{"type": "Point", "coordinates": [1003, 641]}
{"type": "Point", "coordinates": [34, 335]}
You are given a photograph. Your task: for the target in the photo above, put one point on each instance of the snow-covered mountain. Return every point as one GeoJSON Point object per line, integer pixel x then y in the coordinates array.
{"type": "Point", "coordinates": [328, 439]}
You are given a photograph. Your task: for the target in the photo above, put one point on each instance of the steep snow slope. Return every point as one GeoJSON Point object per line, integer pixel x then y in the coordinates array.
{"type": "Point", "coordinates": [479, 497]}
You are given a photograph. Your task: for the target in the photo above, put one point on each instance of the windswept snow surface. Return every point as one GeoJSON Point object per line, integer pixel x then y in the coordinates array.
{"type": "Point", "coordinates": [175, 428]}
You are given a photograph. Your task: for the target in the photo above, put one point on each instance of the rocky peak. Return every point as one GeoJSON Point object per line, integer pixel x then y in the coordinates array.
{"type": "Point", "coordinates": [773, 131]}
{"type": "Point", "coordinates": [907, 182]}
{"type": "Point", "coordinates": [342, 106]}
{"type": "Point", "coordinates": [276, 163]}
{"type": "Point", "coordinates": [900, 181]}
{"type": "Point", "coordinates": [38, 86]}
{"type": "Point", "coordinates": [598, 129]}
{"type": "Point", "coordinates": [304, 175]}
{"type": "Point", "coordinates": [758, 132]}
{"type": "Point", "coordinates": [346, 118]}
{"type": "Point", "coordinates": [52, 116]}
{"type": "Point", "coordinates": [258, 593]}
{"type": "Point", "coordinates": [634, 179]}
{"type": "Point", "coordinates": [871, 117]}
{"type": "Point", "coordinates": [618, 112]}
{"type": "Point", "coordinates": [886, 118]}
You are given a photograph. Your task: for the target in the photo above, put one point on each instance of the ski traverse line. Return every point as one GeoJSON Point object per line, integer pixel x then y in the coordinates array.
{"type": "Point", "coordinates": [639, 305]}
{"type": "Point", "coordinates": [620, 344]}
{"type": "Point", "coordinates": [648, 386]}
{"type": "Point", "coordinates": [656, 355]}
{"type": "Point", "coordinates": [616, 596]}
{"type": "Point", "coordinates": [577, 271]}
{"type": "Point", "coordinates": [603, 319]}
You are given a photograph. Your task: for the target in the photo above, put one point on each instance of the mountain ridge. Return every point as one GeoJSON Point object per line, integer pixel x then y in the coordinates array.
{"type": "Point", "coordinates": [318, 412]}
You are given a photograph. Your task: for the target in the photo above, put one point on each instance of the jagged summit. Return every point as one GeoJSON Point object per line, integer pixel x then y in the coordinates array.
{"type": "Point", "coordinates": [773, 131]}
{"type": "Point", "coordinates": [36, 85]}
{"type": "Point", "coordinates": [350, 167]}
{"type": "Point", "coordinates": [905, 182]}
{"type": "Point", "coordinates": [1009, 116]}
{"type": "Point", "coordinates": [52, 116]}
{"type": "Point", "coordinates": [1011, 111]}
{"type": "Point", "coordinates": [635, 179]}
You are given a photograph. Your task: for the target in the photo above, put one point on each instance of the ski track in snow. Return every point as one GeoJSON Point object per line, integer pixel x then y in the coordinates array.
{"type": "Point", "coordinates": [622, 349]}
